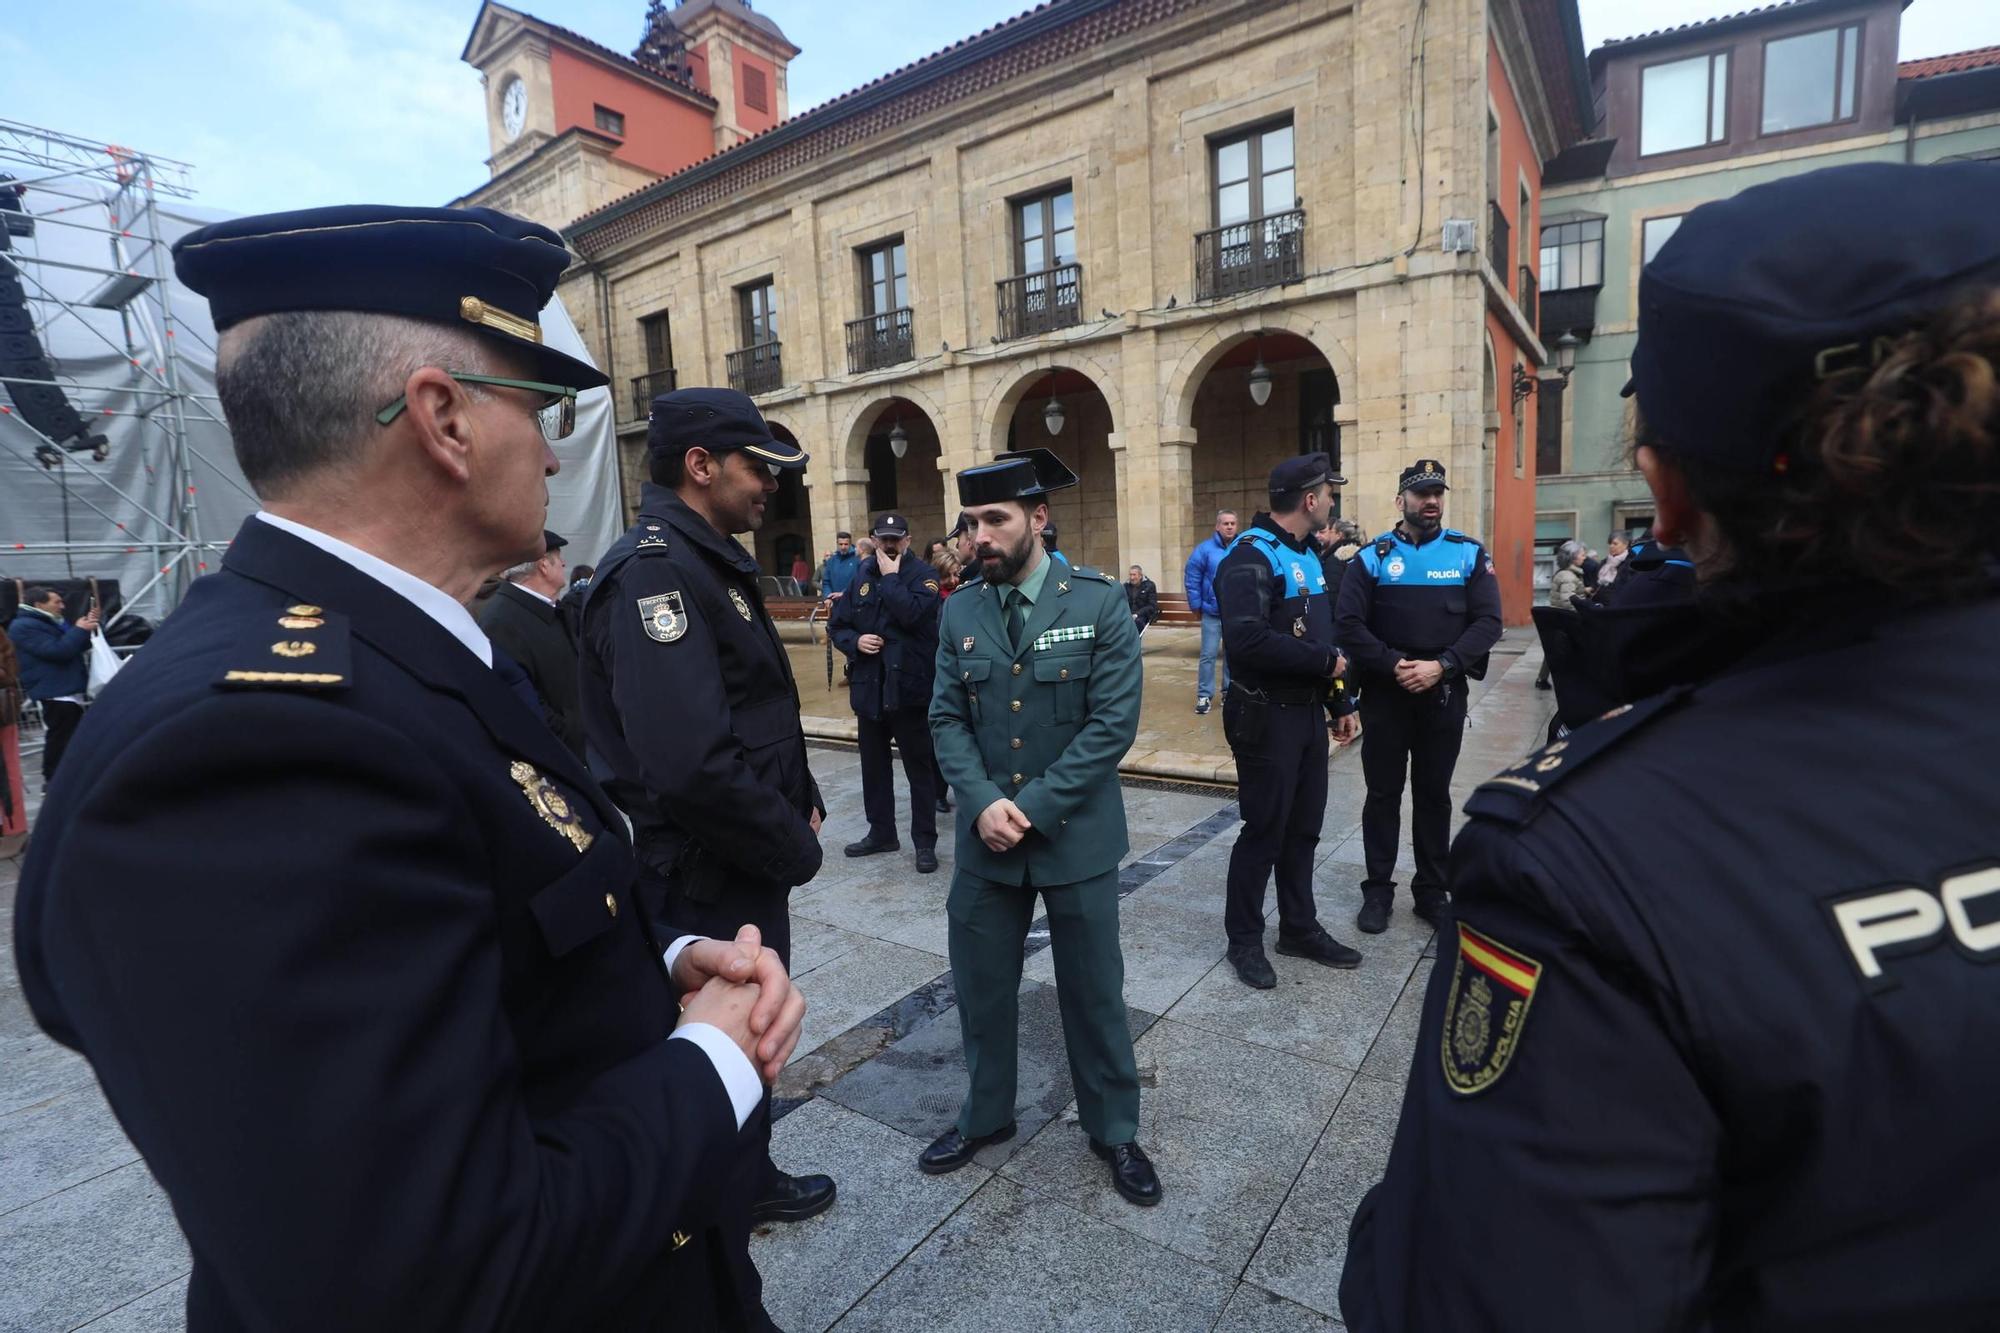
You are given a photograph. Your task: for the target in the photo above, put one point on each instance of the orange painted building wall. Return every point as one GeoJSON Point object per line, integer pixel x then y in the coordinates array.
{"type": "Point", "coordinates": [1512, 541]}
{"type": "Point", "coordinates": [749, 117]}
{"type": "Point", "coordinates": [662, 132]}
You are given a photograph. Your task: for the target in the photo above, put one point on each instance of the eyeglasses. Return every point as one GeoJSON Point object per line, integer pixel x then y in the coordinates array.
{"type": "Point", "coordinates": [557, 417]}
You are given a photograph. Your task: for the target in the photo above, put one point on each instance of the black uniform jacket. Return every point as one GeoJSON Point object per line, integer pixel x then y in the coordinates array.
{"type": "Point", "coordinates": [332, 914]}
{"type": "Point", "coordinates": [533, 633]}
{"type": "Point", "coordinates": [903, 608]}
{"type": "Point", "coordinates": [1712, 1042]}
{"type": "Point", "coordinates": [690, 706]}
{"type": "Point", "coordinates": [1435, 600]}
{"type": "Point", "coordinates": [1278, 631]}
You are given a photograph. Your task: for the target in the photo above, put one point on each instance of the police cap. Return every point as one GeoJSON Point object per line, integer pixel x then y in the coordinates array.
{"type": "Point", "coordinates": [718, 420]}
{"type": "Point", "coordinates": [1757, 297]}
{"type": "Point", "coordinates": [1021, 475]}
{"type": "Point", "coordinates": [1303, 473]}
{"type": "Point", "coordinates": [892, 525]}
{"type": "Point", "coordinates": [1422, 475]}
{"type": "Point", "coordinates": [552, 541]}
{"type": "Point", "coordinates": [471, 268]}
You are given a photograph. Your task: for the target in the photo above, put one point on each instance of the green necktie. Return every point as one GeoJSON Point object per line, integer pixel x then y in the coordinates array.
{"type": "Point", "coordinates": [1017, 617]}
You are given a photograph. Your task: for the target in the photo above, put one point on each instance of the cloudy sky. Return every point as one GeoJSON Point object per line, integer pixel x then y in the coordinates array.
{"type": "Point", "coordinates": [289, 103]}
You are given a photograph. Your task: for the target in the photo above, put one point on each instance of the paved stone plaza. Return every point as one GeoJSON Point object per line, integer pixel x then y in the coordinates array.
{"type": "Point", "coordinates": [1267, 1113]}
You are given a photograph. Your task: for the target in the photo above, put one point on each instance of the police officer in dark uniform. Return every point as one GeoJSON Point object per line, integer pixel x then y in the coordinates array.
{"type": "Point", "coordinates": [1419, 610]}
{"type": "Point", "coordinates": [689, 703]}
{"type": "Point", "coordinates": [347, 933]}
{"type": "Point", "coordinates": [887, 626]}
{"type": "Point", "coordinates": [1277, 626]}
{"type": "Point", "coordinates": [1730, 1065]}
{"type": "Point", "coordinates": [1637, 637]}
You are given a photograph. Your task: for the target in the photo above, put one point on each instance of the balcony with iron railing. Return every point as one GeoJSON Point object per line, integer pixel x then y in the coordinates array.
{"type": "Point", "coordinates": [1042, 302]}
{"type": "Point", "coordinates": [1263, 252]}
{"type": "Point", "coordinates": [1568, 310]}
{"type": "Point", "coordinates": [875, 341]}
{"type": "Point", "coordinates": [1499, 241]}
{"type": "Point", "coordinates": [647, 387]}
{"type": "Point", "coordinates": [1527, 294]}
{"type": "Point", "coordinates": [755, 369]}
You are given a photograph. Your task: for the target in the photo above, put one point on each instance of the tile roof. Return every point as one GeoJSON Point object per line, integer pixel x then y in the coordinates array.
{"type": "Point", "coordinates": [1980, 57]}
{"type": "Point", "coordinates": [1702, 25]}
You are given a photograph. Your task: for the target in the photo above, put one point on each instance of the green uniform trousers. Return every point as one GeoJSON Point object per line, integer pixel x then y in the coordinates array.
{"type": "Point", "coordinates": [989, 927]}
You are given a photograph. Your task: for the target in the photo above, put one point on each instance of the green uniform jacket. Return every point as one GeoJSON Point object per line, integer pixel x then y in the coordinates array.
{"type": "Point", "coordinates": [1045, 727]}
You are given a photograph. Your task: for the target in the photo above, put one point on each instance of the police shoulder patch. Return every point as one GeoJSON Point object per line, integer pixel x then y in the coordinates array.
{"type": "Point", "coordinates": [663, 616]}
{"type": "Point", "coordinates": [1514, 794]}
{"type": "Point", "coordinates": [1492, 987]}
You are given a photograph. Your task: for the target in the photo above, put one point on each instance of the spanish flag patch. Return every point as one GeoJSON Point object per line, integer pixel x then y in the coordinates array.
{"type": "Point", "coordinates": [1491, 990]}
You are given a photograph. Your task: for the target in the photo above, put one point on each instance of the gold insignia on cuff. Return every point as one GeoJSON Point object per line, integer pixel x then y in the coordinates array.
{"type": "Point", "coordinates": [299, 622]}
{"type": "Point", "coordinates": [476, 311]}
{"type": "Point", "coordinates": [294, 648]}
{"type": "Point", "coordinates": [551, 805]}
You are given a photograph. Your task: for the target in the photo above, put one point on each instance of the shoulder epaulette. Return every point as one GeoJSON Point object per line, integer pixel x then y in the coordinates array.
{"type": "Point", "coordinates": [972, 582]}
{"type": "Point", "coordinates": [652, 538]}
{"type": "Point", "coordinates": [1514, 794]}
{"type": "Point", "coordinates": [1089, 573]}
{"type": "Point", "coordinates": [1454, 535]}
{"type": "Point", "coordinates": [303, 647]}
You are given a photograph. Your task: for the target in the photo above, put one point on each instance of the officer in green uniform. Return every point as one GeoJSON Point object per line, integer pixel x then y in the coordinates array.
{"type": "Point", "coordinates": [1037, 699]}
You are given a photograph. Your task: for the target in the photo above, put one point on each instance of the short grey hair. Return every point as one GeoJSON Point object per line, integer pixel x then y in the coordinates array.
{"type": "Point", "coordinates": [301, 389]}
{"type": "Point", "coordinates": [1220, 512]}
{"type": "Point", "coordinates": [521, 572]}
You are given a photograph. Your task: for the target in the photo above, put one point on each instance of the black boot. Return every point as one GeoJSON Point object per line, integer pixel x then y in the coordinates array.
{"type": "Point", "coordinates": [1320, 947]}
{"type": "Point", "coordinates": [926, 860]}
{"type": "Point", "coordinates": [1253, 969]}
{"type": "Point", "coordinates": [1434, 907]}
{"type": "Point", "coordinates": [1373, 918]}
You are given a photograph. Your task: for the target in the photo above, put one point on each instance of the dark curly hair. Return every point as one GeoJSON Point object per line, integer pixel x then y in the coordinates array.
{"type": "Point", "coordinates": [1888, 474]}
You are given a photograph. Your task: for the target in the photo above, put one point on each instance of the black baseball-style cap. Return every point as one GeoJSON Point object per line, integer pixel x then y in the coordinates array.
{"type": "Point", "coordinates": [892, 525]}
{"type": "Point", "coordinates": [471, 268]}
{"type": "Point", "coordinates": [1757, 297]}
{"type": "Point", "coordinates": [718, 420]}
{"type": "Point", "coordinates": [1303, 473]}
{"type": "Point", "coordinates": [1422, 475]}
{"type": "Point", "coordinates": [1021, 475]}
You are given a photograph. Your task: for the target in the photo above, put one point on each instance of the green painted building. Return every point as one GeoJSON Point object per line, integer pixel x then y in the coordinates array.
{"type": "Point", "coordinates": [1688, 115]}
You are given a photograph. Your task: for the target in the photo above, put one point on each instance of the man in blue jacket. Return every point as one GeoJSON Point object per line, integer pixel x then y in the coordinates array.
{"type": "Point", "coordinates": [1199, 580]}
{"type": "Point", "coordinates": [836, 574]}
{"type": "Point", "coordinates": [53, 672]}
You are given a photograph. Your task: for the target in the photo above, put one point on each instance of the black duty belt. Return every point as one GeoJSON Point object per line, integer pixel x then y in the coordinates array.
{"type": "Point", "coordinates": [1289, 695]}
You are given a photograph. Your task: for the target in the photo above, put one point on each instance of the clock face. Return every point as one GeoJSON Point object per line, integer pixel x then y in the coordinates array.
{"type": "Point", "coordinates": [513, 108]}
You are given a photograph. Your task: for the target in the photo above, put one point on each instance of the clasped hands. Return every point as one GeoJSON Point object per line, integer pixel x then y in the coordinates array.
{"type": "Point", "coordinates": [741, 988]}
{"type": "Point", "coordinates": [1416, 676]}
{"type": "Point", "coordinates": [1001, 825]}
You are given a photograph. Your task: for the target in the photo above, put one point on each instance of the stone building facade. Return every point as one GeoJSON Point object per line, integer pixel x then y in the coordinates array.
{"type": "Point", "coordinates": [1110, 227]}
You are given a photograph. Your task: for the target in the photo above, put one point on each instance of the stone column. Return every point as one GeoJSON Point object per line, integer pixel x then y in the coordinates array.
{"type": "Point", "coordinates": [1175, 525]}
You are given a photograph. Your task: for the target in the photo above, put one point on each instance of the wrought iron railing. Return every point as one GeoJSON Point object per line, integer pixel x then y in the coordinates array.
{"type": "Point", "coordinates": [1568, 310]}
{"type": "Point", "coordinates": [647, 387]}
{"type": "Point", "coordinates": [755, 369]}
{"type": "Point", "coordinates": [1041, 302]}
{"type": "Point", "coordinates": [1263, 252]}
{"type": "Point", "coordinates": [1527, 295]}
{"type": "Point", "coordinates": [875, 341]}
{"type": "Point", "coordinates": [1499, 245]}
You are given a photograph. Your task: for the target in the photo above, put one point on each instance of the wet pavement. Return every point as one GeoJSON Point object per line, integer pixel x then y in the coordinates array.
{"type": "Point", "coordinates": [1268, 1114]}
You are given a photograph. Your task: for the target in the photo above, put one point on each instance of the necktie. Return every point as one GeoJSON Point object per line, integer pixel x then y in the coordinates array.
{"type": "Point", "coordinates": [1017, 616]}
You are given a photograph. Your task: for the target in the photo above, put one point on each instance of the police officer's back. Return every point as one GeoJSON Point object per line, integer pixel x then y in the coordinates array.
{"type": "Point", "coordinates": [1730, 1065]}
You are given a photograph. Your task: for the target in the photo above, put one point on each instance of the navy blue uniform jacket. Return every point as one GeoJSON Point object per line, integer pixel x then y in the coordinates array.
{"type": "Point", "coordinates": [903, 608]}
{"type": "Point", "coordinates": [346, 933]}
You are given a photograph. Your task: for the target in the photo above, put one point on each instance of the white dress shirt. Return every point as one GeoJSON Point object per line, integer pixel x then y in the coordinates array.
{"type": "Point", "coordinates": [739, 1077]}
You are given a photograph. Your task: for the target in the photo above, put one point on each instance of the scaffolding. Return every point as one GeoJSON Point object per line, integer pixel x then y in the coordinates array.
{"type": "Point", "coordinates": [69, 187]}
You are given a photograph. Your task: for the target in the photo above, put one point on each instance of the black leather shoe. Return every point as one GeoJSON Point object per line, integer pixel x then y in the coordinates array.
{"type": "Point", "coordinates": [1131, 1173]}
{"type": "Point", "coordinates": [871, 844]}
{"type": "Point", "coordinates": [926, 860]}
{"type": "Point", "coordinates": [943, 805]}
{"type": "Point", "coordinates": [1434, 908]}
{"type": "Point", "coordinates": [798, 1198]}
{"type": "Point", "coordinates": [1252, 967]}
{"type": "Point", "coordinates": [1320, 947]}
{"type": "Point", "coordinates": [1373, 918]}
{"type": "Point", "coordinates": [952, 1149]}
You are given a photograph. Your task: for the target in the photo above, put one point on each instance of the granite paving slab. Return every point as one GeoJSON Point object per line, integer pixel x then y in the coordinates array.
{"type": "Point", "coordinates": [1167, 948]}
{"type": "Point", "coordinates": [1254, 1310]}
{"type": "Point", "coordinates": [54, 1144]}
{"type": "Point", "coordinates": [1303, 1252]}
{"type": "Point", "coordinates": [917, 1084]}
{"type": "Point", "coordinates": [37, 1068]}
{"type": "Point", "coordinates": [883, 902]}
{"type": "Point", "coordinates": [86, 1251]}
{"type": "Point", "coordinates": [1012, 1259]}
{"type": "Point", "coordinates": [816, 1269]}
{"type": "Point", "coordinates": [1228, 1125]}
{"type": "Point", "coordinates": [162, 1310]}
{"type": "Point", "coordinates": [815, 944]}
{"type": "Point", "coordinates": [1389, 1059]}
{"type": "Point", "coordinates": [859, 983]}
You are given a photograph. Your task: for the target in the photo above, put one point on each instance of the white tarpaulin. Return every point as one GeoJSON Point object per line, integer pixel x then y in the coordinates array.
{"type": "Point", "coordinates": [122, 518]}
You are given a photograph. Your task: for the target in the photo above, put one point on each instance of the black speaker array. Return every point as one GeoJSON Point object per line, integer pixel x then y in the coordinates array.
{"type": "Point", "coordinates": [44, 406]}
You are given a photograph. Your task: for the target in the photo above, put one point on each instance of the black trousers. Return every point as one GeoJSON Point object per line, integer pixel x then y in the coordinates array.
{"type": "Point", "coordinates": [59, 720]}
{"type": "Point", "coordinates": [910, 728]}
{"type": "Point", "coordinates": [1417, 735]}
{"type": "Point", "coordinates": [1280, 754]}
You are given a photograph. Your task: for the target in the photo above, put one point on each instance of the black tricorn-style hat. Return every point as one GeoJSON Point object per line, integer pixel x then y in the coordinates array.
{"type": "Point", "coordinates": [1020, 475]}
{"type": "Point", "coordinates": [471, 268]}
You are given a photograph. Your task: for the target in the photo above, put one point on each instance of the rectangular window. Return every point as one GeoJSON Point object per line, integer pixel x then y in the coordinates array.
{"type": "Point", "coordinates": [1255, 175]}
{"type": "Point", "coordinates": [1810, 79]}
{"type": "Point", "coordinates": [885, 278]}
{"type": "Point", "coordinates": [757, 304]}
{"type": "Point", "coordinates": [1655, 234]}
{"type": "Point", "coordinates": [756, 89]}
{"type": "Point", "coordinates": [1573, 255]}
{"type": "Point", "coordinates": [1684, 104]}
{"type": "Point", "coordinates": [1045, 231]}
{"type": "Point", "coordinates": [611, 122]}
{"type": "Point", "coordinates": [659, 342]}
